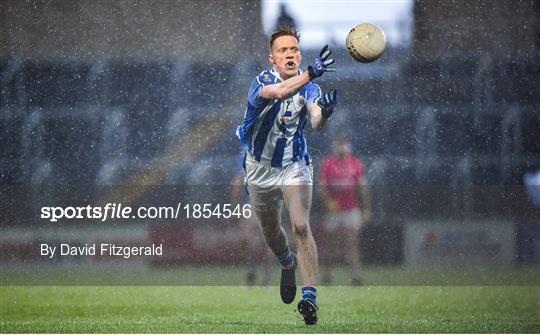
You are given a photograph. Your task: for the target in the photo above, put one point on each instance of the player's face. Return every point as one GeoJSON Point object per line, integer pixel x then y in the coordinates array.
{"type": "Point", "coordinates": [286, 56]}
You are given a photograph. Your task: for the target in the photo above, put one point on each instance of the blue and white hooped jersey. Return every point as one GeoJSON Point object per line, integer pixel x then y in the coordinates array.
{"type": "Point", "coordinates": [272, 132]}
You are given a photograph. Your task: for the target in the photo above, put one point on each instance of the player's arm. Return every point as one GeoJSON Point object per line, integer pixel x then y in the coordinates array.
{"type": "Point", "coordinates": [285, 89]}
{"type": "Point", "coordinates": [291, 86]}
{"type": "Point", "coordinates": [365, 198]}
{"type": "Point", "coordinates": [315, 116]}
{"type": "Point", "coordinates": [321, 111]}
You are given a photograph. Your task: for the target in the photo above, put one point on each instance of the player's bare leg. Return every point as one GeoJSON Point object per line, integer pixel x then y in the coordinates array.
{"type": "Point", "coordinates": [298, 201]}
{"type": "Point", "coordinates": [353, 255]}
{"type": "Point", "coordinates": [274, 234]}
{"type": "Point", "coordinates": [275, 237]}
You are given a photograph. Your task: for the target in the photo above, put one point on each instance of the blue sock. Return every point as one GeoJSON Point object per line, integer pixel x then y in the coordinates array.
{"type": "Point", "coordinates": [309, 292]}
{"type": "Point", "coordinates": [286, 258]}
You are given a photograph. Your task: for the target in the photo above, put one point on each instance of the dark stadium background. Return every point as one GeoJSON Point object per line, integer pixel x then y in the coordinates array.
{"type": "Point", "coordinates": [138, 102]}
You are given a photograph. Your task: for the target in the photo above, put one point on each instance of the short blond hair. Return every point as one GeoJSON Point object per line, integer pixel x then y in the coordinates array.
{"type": "Point", "coordinates": [284, 31]}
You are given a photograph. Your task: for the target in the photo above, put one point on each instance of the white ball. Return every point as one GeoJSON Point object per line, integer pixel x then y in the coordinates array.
{"type": "Point", "coordinates": [366, 42]}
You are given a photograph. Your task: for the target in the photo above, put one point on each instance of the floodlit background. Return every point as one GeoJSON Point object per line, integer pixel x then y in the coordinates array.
{"type": "Point", "coordinates": [330, 21]}
{"type": "Point", "coordinates": [136, 102]}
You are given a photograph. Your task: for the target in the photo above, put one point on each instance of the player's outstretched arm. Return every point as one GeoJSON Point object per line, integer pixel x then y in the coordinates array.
{"type": "Point", "coordinates": [285, 89]}
{"type": "Point", "coordinates": [291, 86]}
{"type": "Point", "coordinates": [320, 112]}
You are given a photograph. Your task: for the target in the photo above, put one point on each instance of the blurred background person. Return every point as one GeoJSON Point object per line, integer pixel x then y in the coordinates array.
{"type": "Point", "coordinates": [528, 230]}
{"type": "Point", "coordinates": [531, 179]}
{"type": "Point", "coordinates": [344, 189]}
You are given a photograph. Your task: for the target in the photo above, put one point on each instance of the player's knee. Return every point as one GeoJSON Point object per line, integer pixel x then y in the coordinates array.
{"type": "Point", "coordinates": [300, 228]}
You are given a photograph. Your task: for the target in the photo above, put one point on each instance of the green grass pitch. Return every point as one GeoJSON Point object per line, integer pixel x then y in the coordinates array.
{"type": "Point", "coordinates": [233, 309]}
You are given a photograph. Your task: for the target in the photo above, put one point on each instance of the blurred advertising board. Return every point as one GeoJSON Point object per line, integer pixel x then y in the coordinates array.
{"type": "Point", "coordinates": [459, 243]}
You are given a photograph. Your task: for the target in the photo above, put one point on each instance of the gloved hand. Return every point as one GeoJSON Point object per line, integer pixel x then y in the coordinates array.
{"type": "Point", "coordinates": [327, 103]}
{"type": "Point", "coordinates": [321, 63]}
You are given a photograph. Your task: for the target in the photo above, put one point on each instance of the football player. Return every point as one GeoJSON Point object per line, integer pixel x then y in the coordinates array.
{"type": "Point", "coordinates": [278, 165]}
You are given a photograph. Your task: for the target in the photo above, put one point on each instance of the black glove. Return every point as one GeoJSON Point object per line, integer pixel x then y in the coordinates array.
{"type": "Point", "coordinates": [327, 103]}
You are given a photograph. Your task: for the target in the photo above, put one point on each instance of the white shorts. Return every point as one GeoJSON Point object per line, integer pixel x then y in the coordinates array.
{"type": "Point", "coordinates": [351, 219]}
{"type": "Point", "coordinates": [265, 183]}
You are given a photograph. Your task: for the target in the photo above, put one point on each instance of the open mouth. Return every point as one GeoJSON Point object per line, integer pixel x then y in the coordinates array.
{"type": "Point", "coordinates": [290, 65]}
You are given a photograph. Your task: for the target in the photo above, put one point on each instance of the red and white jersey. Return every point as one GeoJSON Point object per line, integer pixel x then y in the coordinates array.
{"type": "Point", "coordinates": [342, 177]}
